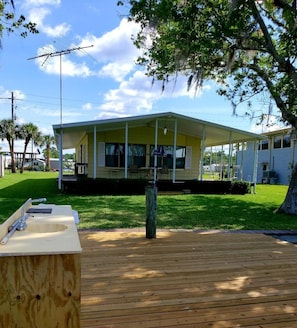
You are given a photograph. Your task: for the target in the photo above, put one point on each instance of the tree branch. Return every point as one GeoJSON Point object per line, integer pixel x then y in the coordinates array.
{"type": "Point", "coordinates": [284, 65]}
{"type": "Point", "coordinates": [287, 114]}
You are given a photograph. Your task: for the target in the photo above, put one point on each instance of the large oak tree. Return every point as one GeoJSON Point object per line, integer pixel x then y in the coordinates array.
{"type": "Point", "coordinates": [248, 46]}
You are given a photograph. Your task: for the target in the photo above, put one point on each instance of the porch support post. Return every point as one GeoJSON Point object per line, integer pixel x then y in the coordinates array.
{"type": "Point", "coordinates": [202, 154]}
{"type": "Point", "coordinates": [242, 159]}
{"type": "Point", "coordinates": [222, 163]}
{"type": "Point", "coordinates": [95, 153]}
{"type": "Point", "coordinates": [155, 155]}
{"type": "Point", "coordinates": [255, 169]}
{"type": "Point", "coordinates": [230, 155]}
{"type": "Point", "coordinates": [174, 152]}
{"type": "Point", "coordinates": [61, 159]}
{"type": "Point", "coordinates": [126, 150]}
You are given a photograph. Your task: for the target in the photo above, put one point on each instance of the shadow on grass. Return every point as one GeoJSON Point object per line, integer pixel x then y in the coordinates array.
{"type": "Point", "coordinates": [174, 211]}
{"type": "Point", "coordinates": [14, 196]}
{"type": "Point", "coordinates": [186, 211]}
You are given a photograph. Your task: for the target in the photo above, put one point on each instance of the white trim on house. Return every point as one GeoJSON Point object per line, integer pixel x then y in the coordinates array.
{"type": "Point", "coordinates": [210, 134]}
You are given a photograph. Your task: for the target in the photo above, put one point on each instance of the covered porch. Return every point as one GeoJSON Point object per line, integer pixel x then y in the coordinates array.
{"type": "Point", "coordinates": [157, 146]}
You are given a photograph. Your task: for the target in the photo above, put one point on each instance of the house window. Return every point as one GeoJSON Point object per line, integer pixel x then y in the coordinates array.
{"type": "Point", "coordinates": [136, 155]}
{"type": "Point", "coordinates": [264, 145]}
{"type": "Point", "coordinates": [165, 156]}
{"type": "Point", "coordinates": [286, 141]}
{"type": "Point", "coordinates": [277, 142]}
{"type": "Point", "coordinates": [115, 155]}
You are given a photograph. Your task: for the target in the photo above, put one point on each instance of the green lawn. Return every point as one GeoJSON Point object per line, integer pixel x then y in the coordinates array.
{"type": "Point", "coordinates": [251, 211]}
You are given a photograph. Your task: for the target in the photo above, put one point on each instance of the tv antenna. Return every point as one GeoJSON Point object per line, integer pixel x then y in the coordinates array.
{"type": "Point", "coordinates": [55, 54]}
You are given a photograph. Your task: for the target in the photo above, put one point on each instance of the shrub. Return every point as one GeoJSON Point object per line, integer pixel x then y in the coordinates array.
{"type": "Point", "coordinates": [240, 187]}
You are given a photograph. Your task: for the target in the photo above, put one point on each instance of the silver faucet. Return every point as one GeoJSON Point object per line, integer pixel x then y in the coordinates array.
{"type": "Point", "coordinates": [24, 216]}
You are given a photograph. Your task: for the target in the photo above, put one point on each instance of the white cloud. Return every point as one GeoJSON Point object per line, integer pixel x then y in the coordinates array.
{"type": "Point", "coordinates": [138, 94]}
{"type": "Point", "coordinates": [114, 48]}
{"type": "Point", "coordinates": [56, 31]}
{"type": "Point", "coordinates": [39, 10]}
{"type": "Point", "coordinates": [51, 64]}
{"type": "Point", "coordinates": [87, 106]}
{"type": "Point", "coordinates": [116, 70]}
{"type": "Point", "coordinates": [36, 3]}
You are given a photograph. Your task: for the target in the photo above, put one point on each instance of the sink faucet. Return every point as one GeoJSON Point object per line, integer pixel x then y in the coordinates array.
{"type": "Point", "coordinates": [24, 216]}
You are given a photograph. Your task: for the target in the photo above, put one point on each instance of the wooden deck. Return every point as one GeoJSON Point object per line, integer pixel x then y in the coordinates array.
{"type": "Point", "coordinates": [187, 279]}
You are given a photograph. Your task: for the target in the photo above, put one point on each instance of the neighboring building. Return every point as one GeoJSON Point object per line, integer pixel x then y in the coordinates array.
{"type": "Point", "coordinates": [276, 157]}
{"type": "Point", "coordinates": [54, 164]}
{"type": "Point", "coordinates": [167, 144]}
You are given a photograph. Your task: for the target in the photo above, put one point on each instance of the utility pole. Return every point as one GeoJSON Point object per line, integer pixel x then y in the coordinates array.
{"type": "Point", "coordinates": [12, 98]}
{"type": "Point", "coordinates": [55, 54]}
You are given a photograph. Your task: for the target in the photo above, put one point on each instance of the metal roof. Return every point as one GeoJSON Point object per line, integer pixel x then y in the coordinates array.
{"type": "Point", "coordinates": [215, 134]}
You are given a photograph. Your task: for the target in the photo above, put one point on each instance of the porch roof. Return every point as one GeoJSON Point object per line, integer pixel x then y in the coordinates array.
{"type": "Point", "coordinates": [215, 134]}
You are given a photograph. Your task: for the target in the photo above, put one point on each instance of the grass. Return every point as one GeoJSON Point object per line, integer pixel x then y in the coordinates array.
{"type": "Point", "coordinates": [251, 211]}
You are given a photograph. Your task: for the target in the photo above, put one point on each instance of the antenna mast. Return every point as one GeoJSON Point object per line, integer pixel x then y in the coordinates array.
{"type": "Point", "coordinates": [55, 54]}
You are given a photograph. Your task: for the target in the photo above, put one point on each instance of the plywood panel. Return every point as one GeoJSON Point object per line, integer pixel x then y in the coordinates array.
{"type": "Point", "coordinates": [40, 291]}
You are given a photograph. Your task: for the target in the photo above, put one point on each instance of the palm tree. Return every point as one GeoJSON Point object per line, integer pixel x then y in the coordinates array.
{"type": "Point", "coordinates": [29, 132]}
{"type": "Point", "coordinates": [48, 141]}
{"type": "Point", "coordinates": [9, 131]}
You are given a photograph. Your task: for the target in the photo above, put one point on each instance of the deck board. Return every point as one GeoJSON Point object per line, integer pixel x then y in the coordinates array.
{"type": "Point", "coordinates": [187, 279]}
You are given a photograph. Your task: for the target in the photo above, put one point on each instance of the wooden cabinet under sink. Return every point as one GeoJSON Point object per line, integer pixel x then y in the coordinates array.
{"type": "Point", "coordinates": [41, 289]}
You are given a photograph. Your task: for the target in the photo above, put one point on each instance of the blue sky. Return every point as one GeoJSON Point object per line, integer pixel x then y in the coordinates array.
{"type": "Point", "coordinates": [98, 82]}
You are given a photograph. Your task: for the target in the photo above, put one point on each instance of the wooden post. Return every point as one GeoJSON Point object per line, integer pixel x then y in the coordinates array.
{"type": "Point", "coordinates": [151, 210]}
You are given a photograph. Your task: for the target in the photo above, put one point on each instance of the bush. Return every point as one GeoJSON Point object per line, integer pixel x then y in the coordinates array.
{"type": "Point", "coordinates": [240, 187]}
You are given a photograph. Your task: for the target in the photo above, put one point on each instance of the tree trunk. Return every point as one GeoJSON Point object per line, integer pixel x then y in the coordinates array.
{"type": "Point", "coordinates": [24, 157]}
{"type": "Point", "coordinates": [289, 206]}
{"type": "Point", "coordinates": [48, 162]}
{"type": "Point", "coordinates": [13, 168]}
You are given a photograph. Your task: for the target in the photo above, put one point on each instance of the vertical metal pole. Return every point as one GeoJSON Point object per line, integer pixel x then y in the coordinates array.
{"type": "Point", "coordinates": [126, 150]}
{"type": "Point", "coordinates": [61, 131]}
{"type": "Point", "coordinates": [230, 155]}
{"type": "Point", "coordinates": [155, 155]}
{"type": "Point", "coordinates": [255, 170]}
{"type": "Point", "coordinates": [202, 154]}
{"type": "Point", "coordinates": [61, 103]}
{"type": "Point", "coordinates": [222, 163]}
{"type": "Point", "coordinates": [12, 140]}
{"type": "Point", "coordinates": [95, 153]}
{"type": "Point", "coordinates": [242, 159]}
{"type": "Point", "coordinates": [174, 152]}
{"type": "Point", "coordinates": [61, 159]}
